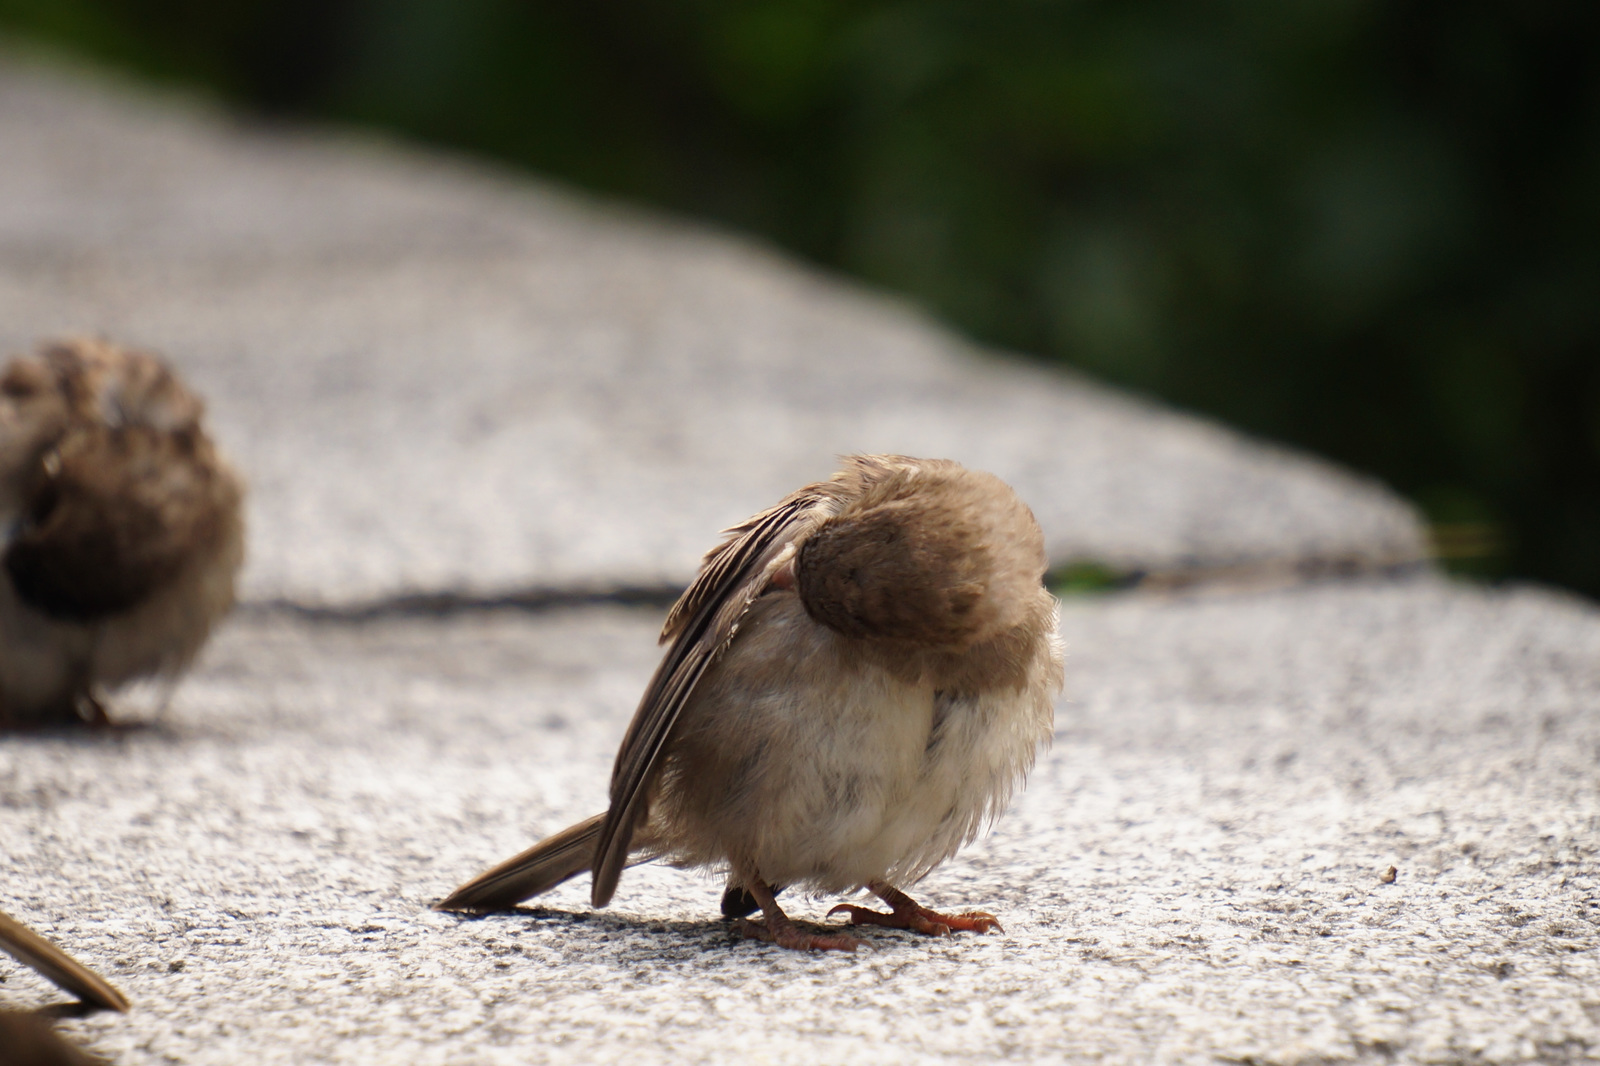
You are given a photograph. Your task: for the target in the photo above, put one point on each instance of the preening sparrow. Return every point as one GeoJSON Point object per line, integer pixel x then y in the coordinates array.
{"type": "Point", "coordinates": [857, 679]}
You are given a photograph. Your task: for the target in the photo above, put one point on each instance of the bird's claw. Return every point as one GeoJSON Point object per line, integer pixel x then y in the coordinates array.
{"type": "Point", "coordinates": [921, 920]}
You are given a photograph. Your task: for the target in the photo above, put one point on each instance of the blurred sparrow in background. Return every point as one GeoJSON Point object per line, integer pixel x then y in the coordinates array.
{"type": "Point", "coordinates": [120, 527]}
{"type": "Point", "coordinates": [858, 678]}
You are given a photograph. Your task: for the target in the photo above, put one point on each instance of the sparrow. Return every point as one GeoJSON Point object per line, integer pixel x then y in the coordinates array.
{"type": "Point", "coordinates": [858, 678]}
{"type": "Point", "coordinates": [121, 528]}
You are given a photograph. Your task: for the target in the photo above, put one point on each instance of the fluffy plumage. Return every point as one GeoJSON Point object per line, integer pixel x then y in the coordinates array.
{"type": "Point", "coordinates": [120, 525]}
{"type": "Point", "coordinates": [857, 680]}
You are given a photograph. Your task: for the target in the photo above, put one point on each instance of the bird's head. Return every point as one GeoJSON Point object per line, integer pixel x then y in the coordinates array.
{"type": "Point", "coordinates": [924, 552]}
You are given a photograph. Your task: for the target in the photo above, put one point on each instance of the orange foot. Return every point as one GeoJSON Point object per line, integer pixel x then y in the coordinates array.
{"type": "Point", "coordinates": [906, 913]}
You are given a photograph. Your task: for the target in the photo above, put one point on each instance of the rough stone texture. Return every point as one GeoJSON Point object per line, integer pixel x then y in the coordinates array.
{"type": "Point", "coordinates": [445, 381]}
{"type": "Point", "coordinates": [1194, 873]}
{"type": "Point", "coordinates": [441, 379]}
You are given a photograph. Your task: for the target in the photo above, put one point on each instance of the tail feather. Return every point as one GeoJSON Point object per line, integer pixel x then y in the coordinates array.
{"type": "Point", "coordinates": [539, 869]}
{"type": "Point", "coordinates": [68, 973]}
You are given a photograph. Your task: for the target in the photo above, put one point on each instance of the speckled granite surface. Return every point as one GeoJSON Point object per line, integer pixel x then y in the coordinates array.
{"type": "Point", "coordinates": [1193, 875]}
{"type": "Point", "coordinates": [445, 381]}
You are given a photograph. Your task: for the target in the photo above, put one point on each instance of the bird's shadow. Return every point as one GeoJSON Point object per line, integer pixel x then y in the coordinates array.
{"type": "Point", "coordinates": [79, 731]}
{"type": "Point", "coordinates": [72, 1008]}
{"type": "Point", "coordinates": [654, 936]}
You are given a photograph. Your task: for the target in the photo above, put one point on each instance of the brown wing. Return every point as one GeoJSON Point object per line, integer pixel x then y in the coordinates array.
{"type": "Point", "coordinates": [723, 562]}
{"type": "Point", "coordinates": [703, 621]}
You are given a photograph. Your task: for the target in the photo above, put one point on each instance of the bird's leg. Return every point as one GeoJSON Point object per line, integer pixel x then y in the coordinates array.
{"type": "Point", "coordinates": [737, 902]}
{"type": "Point", "coordinates": [92, 711]}
{"type": "Point", "coordinates": [778, 929]}
{"type": "Point", "coordinates": [906, 913]}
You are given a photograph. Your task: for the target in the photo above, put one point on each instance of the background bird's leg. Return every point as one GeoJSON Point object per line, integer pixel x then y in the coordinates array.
{"type": "Point", "coordinates": [909, 914]}
{"type": "Point", "coordinates": [92, 711]}
{"type": "Point", "coordinates": [778, 929]}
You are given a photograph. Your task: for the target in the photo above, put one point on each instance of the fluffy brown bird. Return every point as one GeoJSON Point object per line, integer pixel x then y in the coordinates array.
{"type": "Point", "coordinates": [858, 679]}
{"type": "Point", "coordinates": [120, 525]}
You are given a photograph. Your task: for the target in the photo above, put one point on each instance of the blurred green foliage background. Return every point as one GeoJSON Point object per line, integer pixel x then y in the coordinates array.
{"type": "Point", "coordinates": [1369, 229]}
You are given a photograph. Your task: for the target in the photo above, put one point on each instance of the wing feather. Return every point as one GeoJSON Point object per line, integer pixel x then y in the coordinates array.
{"type": "Point", "coordinates": [702, 622]}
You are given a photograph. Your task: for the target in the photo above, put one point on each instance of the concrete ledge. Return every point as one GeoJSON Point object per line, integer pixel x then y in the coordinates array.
{"type": "Point", "coordinates": [1194, 874]}
{"type": "Point", "coordinates": [442, 379]}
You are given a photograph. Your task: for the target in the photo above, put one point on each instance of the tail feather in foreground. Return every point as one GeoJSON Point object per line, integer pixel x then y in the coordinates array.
{"type": "Point", "coordinates": [530, 873]}
{"type": "Point", "coordinates": [62, 969]}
